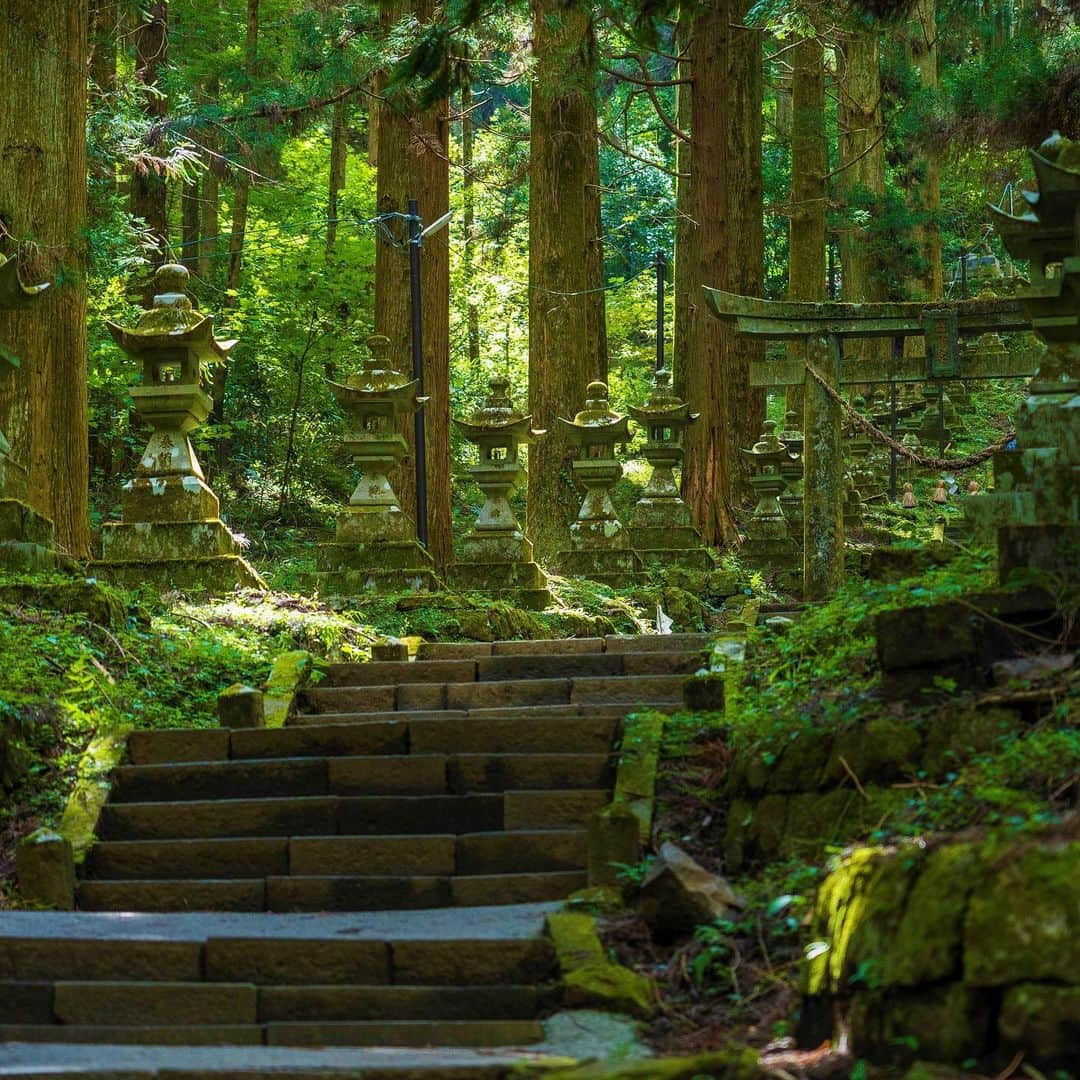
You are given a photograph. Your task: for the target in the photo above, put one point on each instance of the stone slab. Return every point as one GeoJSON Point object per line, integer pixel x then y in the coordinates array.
{"type": "Point", "coordinates": [134, 1003]}
{"type": "Point", "coordinates": [36, 957]}
{"type": "Point", "coordinates": [246, 857]}
{"type": "Point", "coordinates": [516, 888]}
{"type": "Point", "coordinates": [547, 647]}
{"type": "Point", "coordinates": [220, 780]}
{"type": "Point", "coordinates": [551, 809]}
{"type": "Point", "coordinates": [266, 960]}
{"type": "Point", "coordinates": [521, 733]}
{"type": "Point", "coordinates": [183, 744]}
{"type": "Point", "coordinates": [408, 774]}
{"type": "Point", "coordinates": [183, 895]}
{"type": "Point", "coordinates": [322, 739]}
{"type": "Point", "coordinates": [524, 851]}
{"type": "Point", "coordinates": [477, 1033]}
{"type": "Point", "coordinates": [631, 689]}
{"type": "Point", "coordinates": [557, 666]}
{"type": "Point", "coordinates": [471, 963]}
{"type": "Point", "coordinates": [234, 817]}
{"type": "Point", "coordinates": [355, 893]}
{"type": "Point", "coordinates": [420, 696]}
{"type": "Point", "coordinates": [452, 650]}
{"type": "Point", "coordinates": [518, 772]}
{"type": "Point", "coordinates": [508, 693]}
{"type": "Point", "coordinates": [347, 699]}
{"type": "Point", "coordinates": [373, 856]}
{"type": "Point", "coordinates": [624, 643]}
{"type": "Point", "coordinates": [389, 672]}
{"type": "Point", "coordinates": [359, 1003]}
{"type": "Point", "coordinates": [26, 1002]}
{"type": "Point", "coordinates": [157, 1035]}
{"type": "Point", "coordinates": [381, 815]}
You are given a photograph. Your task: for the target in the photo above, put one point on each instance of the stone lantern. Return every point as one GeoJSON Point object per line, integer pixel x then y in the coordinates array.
{"type": "Point", "coordinates": [600, 547]}
{"type": "Point", "coordinates": [661, 530]}
{"type": "Point", "coordinates": [791, 499]}
{"type": "Point", "coordinates": [171, 528]}
{"type": "Point", "coordinates": [375, 548]}
{"type": "Point", "coordinates": [1036, 501]}
{"type": "Point", "coordinates": [497, 557]}
{"type": "Point", "coordinates": [26, 537]}
{"type": "Point", "coordinates": [768, 544]}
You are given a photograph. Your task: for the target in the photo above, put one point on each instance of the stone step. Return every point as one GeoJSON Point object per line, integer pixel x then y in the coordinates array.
{"type": "Point", "coordinates": [132, 1004]}
{"type": "Point", "coordinates": [504, 693]}
{"type": "Point", "coordinates": [389, 672]}
{"type": "Point", "coordinates": [331, 892]}
{"type": "Point", "coordinates": [133, 1035]}
{"type": "Point", "coordinates": [310, 816]}
{"type": "Point", "coordinates": [455, 1033]}
{"type": "Point", "coordinates": [407, 719]}
{"type": "Point", "coordinates": [615, 643]}
{"type": "Point", "coordinates": [474, 947]}
{"type": "Point", "coordinates": [60, 1061]}
{"type": "Point", "coordinates": [406, 774]}
{"type": "Point", "coordinates": [370, 1003]}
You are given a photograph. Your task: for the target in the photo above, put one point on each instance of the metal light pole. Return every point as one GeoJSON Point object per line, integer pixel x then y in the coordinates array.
{"type": "Point", "coordinates": [415, 238]}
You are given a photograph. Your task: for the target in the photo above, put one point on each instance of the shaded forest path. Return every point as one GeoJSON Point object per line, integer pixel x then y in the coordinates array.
{"type": "Point", "coordinates": [373, 877]}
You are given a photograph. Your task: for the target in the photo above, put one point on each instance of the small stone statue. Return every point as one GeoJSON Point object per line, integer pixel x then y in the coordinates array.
{"type": "Point", "coordinates": [907, 499]}
{"type": "Point", "coordinates": [974, 487]}
{"type": "Point", "coordinates": [941, 494]}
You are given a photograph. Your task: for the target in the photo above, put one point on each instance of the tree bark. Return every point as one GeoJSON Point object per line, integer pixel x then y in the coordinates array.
{"type": "Point", "coordinates": [413, 164]}
{"type": "Point", "coordinates": [861, 175]}
{"type": "Point", "coordinates": [468, 220]}
{"type": "Point", "coordinates": [148, 189]}
{"type": "Point", "coordinates": [338, 157]}
{"type": "Point", "coordinates": [806, 248]}
{"type": "Point", "coordinates": [563, 339]}
{"type": "Point", "coordinates": [43, 405]}
{"type": "Point", "coordinates": [727, 250]}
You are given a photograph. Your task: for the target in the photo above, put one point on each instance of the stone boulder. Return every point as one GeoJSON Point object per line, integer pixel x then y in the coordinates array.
{"type": "Point", "coordinates": [678, 894]}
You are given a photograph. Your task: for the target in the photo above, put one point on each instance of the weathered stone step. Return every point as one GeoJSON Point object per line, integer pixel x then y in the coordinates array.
{"type": "Point", "coordinates": [407, 721]}
{"type": "Point", "coordinates": [134, 1035]}
{"type": "Point", "coordinates": [506, 693]}
{"type": "Point", "coordinates": [335, 892]}
{"type": "Point", "coordinates": [131, 1004]}
{"type": "Point", "coordinates": [231, 870]}
{"type": "Point", "coordinates": [615, 643]}
{"type": "Point", "coordinates": [59, 1061]}
{"type": "Point", "coordinates": [456, 1033]}
{"type": "Point", "coordinates": [408, 774]}
{"type": "Point", "coordinates": [478, 947]}
{"type": "Point", "coordinates": [312, 816]}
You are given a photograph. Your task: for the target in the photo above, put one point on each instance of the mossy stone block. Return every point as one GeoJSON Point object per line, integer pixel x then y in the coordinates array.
{"type": "Point", "coordinates": [704, 693]}
{"type": "Point", "coordinates": [290, 672]}
{"type": "Point", "coordinates": [882, 749]}
{"type": "Point", "coordinates": [1043, 1021]}
{"type": "Point", "coordinates": [927, 945]}
{"type": "Point", "coordinates": [614, 841]}
{"type": "Point", "coordinates": [635, 778]}
{"type": "Point", "coordinates": [45, 866]}
{"type": "Point", "coordinates": [1021, 922]}
{"type": "Point", "coordinates": [241, 706]}
{"type": "Point", "coordinates": [956, 736]}
{"type": "Point", "coordinates": [98, 602]}
{"type": "Point", "coordinates": [816, 819]}
{"type": "Point", "coordinates": [802, 761]}
{"type": "Point", "coordinates": [91, 791]}
{"type": "Point", "coordinates": [736, 1063]}
{"type": "Point", "coordinates": [917, 637]}
{"type": "Point", "coordinates": [390, 649]}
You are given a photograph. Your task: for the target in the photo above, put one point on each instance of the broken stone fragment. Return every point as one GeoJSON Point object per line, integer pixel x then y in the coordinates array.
{"type": "Point", "coordinates": [45, 866]}
{"type": "Point", "coordinates": [679, 894]}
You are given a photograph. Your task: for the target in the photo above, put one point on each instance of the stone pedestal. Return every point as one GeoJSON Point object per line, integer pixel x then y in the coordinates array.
{"type": "Point", "coordinates": [171, 531]}
{"type": "Point", "coordinates": [600, 547]}
{"type": "Point", "coordinates": [661, 529]}
{"type": "Point", "coordinates": [497, 557]}
{"type": "Point", "coordinates": [768, 544]}
{"type": "Point", "coordinates": [375, 549]}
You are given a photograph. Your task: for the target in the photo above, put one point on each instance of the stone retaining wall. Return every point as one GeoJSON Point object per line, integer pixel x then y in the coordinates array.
{"type": "Point", "coordinates": [963, 952]}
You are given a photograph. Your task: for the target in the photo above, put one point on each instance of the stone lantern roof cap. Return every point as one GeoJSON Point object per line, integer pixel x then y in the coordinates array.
{"type": "Point", "coordinates": [171, 321]}
{"type": "Point", "coordinates": [497, 414]}
{"type": "Point", "coordinates": [663, 404]}
{"type": "Point", "coordinates": [377, 381]}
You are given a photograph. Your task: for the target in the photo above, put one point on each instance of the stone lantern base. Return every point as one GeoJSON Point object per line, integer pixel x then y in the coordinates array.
{"type": "Point", "coordinates": [620, 568]}
{"type": "Point", "coordinates": [26, 539]}
{"type": "Point", "coordinates": [375, 550]}
{"type": "Point", "coordinates": [172, 534]}
{"type": "Point", "coordinates": [503, 568]}
{"type": "Point", "coordinates": [671, 545]}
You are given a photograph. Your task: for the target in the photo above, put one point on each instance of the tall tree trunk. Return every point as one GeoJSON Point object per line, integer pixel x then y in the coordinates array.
{"type": "Point", "coordinates": [338, 157]}
{"type": "Point", "coordinates": [468, 220]}
{"type": "Point", "coordinates": [148, 189]}
{"type": "Point", "coordinates": [563, 355]}
{"type": "Point", "coordinates": [43, 201]}
{"type": "Point", "coordinates": [806, 248]}
{"type": "Point", "coordinates": [238, 230]}
{"type": "Point", "coordinates": [414, 164]}
{"type": "Point", "coordinates": [685, 231]}
{"type": "Point", "coordinates": [727, 250]}
{"type": "Point", "coordinates": [926, 165]}
{"type": "Point", "coordinates": [861, 176]}
{"type": "Point", "coordinates": [594, 233]}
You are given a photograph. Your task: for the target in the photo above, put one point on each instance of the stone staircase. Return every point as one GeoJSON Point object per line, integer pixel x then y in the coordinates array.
{"type": "Point", "coordinates": [374, 874]}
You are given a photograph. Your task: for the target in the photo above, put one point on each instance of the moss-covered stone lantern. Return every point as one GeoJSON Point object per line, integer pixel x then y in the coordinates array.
{"type": "Point", "coordinates": [171, 529]}
{"type": "Point", "coordinates": [26, 537]}
{"type": "Point", "coordinates": [768, 542]}
{"type": "Point", "coordinates": [497, 557]}
{"type": "Point", "coordinates": [1036, 501]}
{"type": "Point", "coordinates": [791, 499]}
{"type": "Point", "coordinates": [375, 548]}
{"type": "Point", "coordinates": [600, 547]}
{"type": "Point", "coordinates": [661, 530]}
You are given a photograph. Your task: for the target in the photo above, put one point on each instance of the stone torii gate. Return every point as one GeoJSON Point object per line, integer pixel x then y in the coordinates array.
{"type": "Point", "coordinates": [824, 327]}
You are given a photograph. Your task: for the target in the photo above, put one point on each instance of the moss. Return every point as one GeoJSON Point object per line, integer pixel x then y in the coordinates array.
{"type": "Point", "coordinates": [99, 603]}
{"type": "Point", "coordinates": [1021, 922]}
{"type": "Point", "coordinates": [589, 978]}
{"type": "Point", "coordinates": [635, 779]}
{"type": "Point", "coordinates": [882, 749]}
{"type": "Point", "coordinates": [614, 840]}
{"type": "Point", "coordinates": [736, 1063]}
{"type": "Point", "coordinates": [802, 761]}
{"type": "Point", "coordinates": [79, 822]}
{"type": "Point", "coordinates": [290, 672]}
{"type": "Point", "coordinates": [768, 825]}
{"type": "Point", "coordinates": [954, 737]}
{"type": "Point", "coordinates": [927, 943]}
{"type": "Point", "coordinates": [705, 693]}
{"type": "Point", "coordinates": [1042, 1021]}
{"type": "Point", "coordinates": [685, 608]}
{"type": "Point", "coordinates": [816, 819]}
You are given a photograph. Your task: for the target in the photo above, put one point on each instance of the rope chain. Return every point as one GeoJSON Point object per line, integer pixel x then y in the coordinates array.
{"type": "Point", "coordinates": [868, 428]}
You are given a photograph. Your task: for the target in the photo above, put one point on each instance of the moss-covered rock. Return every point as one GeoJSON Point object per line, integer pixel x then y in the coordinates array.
{"type": "Point", "coordinates": [737, 1063]}
{"type": "Point", "coordinates": [46, 870]}
{"type": "Point", "coordinates": [614, 841]}
{"type": "Point", "coordinates": [705, 693]}
{"type": "Point", "coordinates": [882, 749]}
{"type": "Point", "coordinates": [1021, 921]}
{"type": "Point", "coordinates": [801, 761]}
{"type": "Point", "coordinates": [955, 736]}
{"type": "Point", "coordinates": [589, 978]}
{"type": "Point", "coordinates": [635, 778]}
{"type": "Point", "coordinates": [686, 609]}
{"type": "Point", "coordinates": [80, 819]}
{"type": "Point", "coordinates": [99, 603]}
{"type": "Point", "coordinates": [1043, 1022]}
